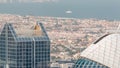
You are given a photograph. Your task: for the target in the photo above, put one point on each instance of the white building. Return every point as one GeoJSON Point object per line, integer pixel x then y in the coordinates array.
{"type": "Point", "coordinates": [104, 52]}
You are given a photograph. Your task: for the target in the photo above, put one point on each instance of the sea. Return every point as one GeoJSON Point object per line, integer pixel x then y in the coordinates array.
{"type": "Point", "coordinates": [83, 9]}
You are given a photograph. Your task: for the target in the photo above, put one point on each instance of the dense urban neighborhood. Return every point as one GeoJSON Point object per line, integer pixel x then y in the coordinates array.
{"type": "Point", "coordinates": [69, 36]}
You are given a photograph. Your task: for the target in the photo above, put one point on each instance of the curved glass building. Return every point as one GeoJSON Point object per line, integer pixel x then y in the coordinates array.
{"type": "Point", "coordinates": [86, 63]}
{"type": "Point", "coordinates": [103, 53]}
{"type": "Point", "coordinates": [27, 48]}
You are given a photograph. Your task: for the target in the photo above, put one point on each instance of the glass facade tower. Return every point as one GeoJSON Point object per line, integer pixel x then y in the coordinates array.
{"type": "Point", "coordinates": [20, 50]}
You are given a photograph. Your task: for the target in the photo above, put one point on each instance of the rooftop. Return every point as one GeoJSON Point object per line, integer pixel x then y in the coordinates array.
{"type": "Point", "coordinates": [28, 29]}
{"type": "Point", "coordinates": [105, 51]}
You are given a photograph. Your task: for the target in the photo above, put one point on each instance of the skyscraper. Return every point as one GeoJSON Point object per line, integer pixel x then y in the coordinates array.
{"type": "Point", "coordinates": [29, 48]}
{"type": "Point", "coordinates": [103, 53]}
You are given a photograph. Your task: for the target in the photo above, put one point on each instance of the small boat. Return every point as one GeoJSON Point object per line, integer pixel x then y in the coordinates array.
{"type": "Point", "coordinates": [68, 12]}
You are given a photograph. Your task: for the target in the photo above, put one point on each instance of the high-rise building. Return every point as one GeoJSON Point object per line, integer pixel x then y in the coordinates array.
{"type": "Point", "coordinates": [28, 48]}
{"type": "Point", "coordinates": [103, 53]}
